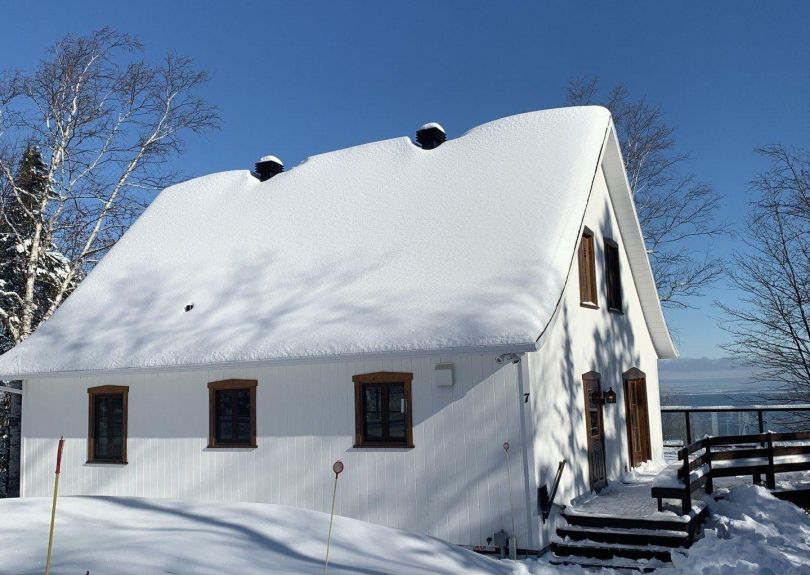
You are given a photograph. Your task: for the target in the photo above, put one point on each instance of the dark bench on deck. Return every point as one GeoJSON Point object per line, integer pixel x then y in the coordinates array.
{"type": "Point", "coordinates": [733, 456]}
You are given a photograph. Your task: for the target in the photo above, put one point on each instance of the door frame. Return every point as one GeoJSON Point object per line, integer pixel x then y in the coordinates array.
{"type": "Point", "coordinates": [632, 375]}
{"type": "Point", "coordinates": [588, 379]}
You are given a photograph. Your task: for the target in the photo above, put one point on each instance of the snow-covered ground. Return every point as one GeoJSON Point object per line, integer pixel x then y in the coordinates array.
{"type": "Point", "coordinates": [749, 532]}
{"type": "Point", "coordinates": [132, 536]}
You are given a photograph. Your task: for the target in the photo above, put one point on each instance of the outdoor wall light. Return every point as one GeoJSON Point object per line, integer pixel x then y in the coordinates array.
{"type": "Point", "coordinates": [610, 396]}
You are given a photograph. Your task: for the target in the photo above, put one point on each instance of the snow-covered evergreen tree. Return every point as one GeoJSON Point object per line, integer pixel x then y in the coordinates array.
{"type": "Point", "coordinates": [21, 217]}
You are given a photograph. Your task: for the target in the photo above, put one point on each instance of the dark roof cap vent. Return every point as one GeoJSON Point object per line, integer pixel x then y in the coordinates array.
{"type": "Point", "coordinates": [430, 136]}
{"type": "Point", "coordinates": [268, 167]}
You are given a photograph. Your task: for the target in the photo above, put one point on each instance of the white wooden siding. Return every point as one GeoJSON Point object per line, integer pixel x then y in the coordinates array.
{"type": "Point", "coordinates": [452, 485]}
{"type": "Point", "coordinates": [582, 340]}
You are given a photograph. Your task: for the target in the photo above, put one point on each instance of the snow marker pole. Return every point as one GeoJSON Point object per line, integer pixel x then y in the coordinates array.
{"type": "Point", "coordinates": [513, 538]}
{"type": "Point", "coordinates": [338, 469]}
{"type": "Point", "coordinates": [53, 505]}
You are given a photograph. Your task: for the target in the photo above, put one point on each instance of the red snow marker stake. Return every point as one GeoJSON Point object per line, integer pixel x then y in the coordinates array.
{"type": "Point", "coordinates": [338, 469]}
{"type": "Point", "coordinates": [53, 505]}
{"type": "Point", "coordinates": [513, 537]}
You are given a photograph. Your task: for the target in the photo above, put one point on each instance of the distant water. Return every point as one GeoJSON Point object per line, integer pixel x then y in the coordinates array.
{"type": "Point", "coordinates": [689, 393]}
{"type": "Point", "coordinates": [713, 382]}
{"type": "Point", "coordinates": [710, 398]}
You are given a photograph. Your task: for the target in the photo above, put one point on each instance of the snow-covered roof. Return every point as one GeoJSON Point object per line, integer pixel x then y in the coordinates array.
{"type": "Point", "coordinates": [379, 248]}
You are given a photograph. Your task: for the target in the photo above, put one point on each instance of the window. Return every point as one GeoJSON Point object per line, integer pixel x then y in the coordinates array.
{"type": "Point", "coordinates": [612, 276]}
{"type": "Point", "coordinates": [382, 404]}
{"type": "Point", "coordinates": [107, 433]}
{"type": "Point", "coordinates": [232, 413]}
{"type": "Point", "coordinates": [587, 271]}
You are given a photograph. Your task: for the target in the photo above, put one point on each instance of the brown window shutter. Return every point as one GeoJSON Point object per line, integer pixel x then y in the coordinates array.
{"type": "Point", "coordinates": [587, 271]}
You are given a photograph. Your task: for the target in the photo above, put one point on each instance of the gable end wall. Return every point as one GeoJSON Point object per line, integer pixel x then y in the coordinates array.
{"type": "Point", "coordinates": [580, 340]}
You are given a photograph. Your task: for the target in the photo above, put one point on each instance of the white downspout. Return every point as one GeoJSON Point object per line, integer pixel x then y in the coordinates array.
{"type": "Point", "coordinates": [523, 452]}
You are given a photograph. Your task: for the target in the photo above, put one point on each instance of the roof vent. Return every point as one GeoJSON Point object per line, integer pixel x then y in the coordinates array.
{"type": "Point", "coordinates": [268, 167]}
{"type": "Point", "coordinates": [430, 136]}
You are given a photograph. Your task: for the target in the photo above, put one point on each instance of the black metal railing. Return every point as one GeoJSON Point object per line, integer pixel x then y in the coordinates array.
{"type": "Point", "coordinates": [760, 410]}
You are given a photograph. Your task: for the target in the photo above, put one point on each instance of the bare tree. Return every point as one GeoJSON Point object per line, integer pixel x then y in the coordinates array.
{"type": "Point", "coordinates": [107, 124]}
{"type": "Point", "coordinates": [771, 329]}
{"type": "Point", "coordinates": [674, 208]}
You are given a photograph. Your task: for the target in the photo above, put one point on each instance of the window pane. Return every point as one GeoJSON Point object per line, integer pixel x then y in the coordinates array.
{"type": "Point", "coordinates": [116, 403]}
{"type": "Point", "coordinates": [593, 412]}
{"type": "Point", "coordinates": [102, 426]}
{"type": "Point", "coordinates": [594, 417]}
{"type": "Point", "coordinates": [613, 277]}
{"type": "Point", "coordinates": [224, 414]}
{"type": "Point", "coordinates": [109, 426]}
{"type": "Point", "coordinates": [243, 415]}
{"type": "Point", "coordinates": [396, 416]}
{"type": "Point", "coordinates": [372, 412]}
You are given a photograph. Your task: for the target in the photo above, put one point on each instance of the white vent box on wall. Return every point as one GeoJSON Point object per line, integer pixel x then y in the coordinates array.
{"type": "Point", "coordinates": [443, 374]}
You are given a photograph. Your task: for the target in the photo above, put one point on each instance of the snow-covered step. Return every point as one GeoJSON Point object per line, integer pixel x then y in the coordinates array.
{"type": "Point", "coordinates": [661, 537]}
{"type": "Point", "coordinates": [642, 565]}
{"type": "Point", "coordinates": [666, 524]}
{"type": "Point", "coordinates": [668, 521]}
{"type": "Point", "coordinates": [599, 550]}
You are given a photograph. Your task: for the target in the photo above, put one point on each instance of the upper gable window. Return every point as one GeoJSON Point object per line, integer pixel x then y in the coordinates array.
{"type": "Point", "coordinates": [613, 277]}
{"type": "Point", "coordinates": [382, 403]}
{"type": "Point", "coordinates": [587, 271]}
{"type": "Point", "coordinates": [107, 438]}
{"type": "Point", "coordinates": [232, 413]}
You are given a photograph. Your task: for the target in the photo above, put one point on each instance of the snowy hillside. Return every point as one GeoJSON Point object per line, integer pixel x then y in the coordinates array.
{"type": "Point", "coordinates": [131, 536]}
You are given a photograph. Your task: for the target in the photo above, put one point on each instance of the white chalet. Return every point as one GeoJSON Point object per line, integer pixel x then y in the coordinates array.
{"type": "Point", "coordinates": [406, 309]}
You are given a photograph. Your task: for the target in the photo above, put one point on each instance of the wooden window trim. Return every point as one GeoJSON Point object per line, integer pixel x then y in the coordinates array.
{"type": "Point", "coordinates": [382, 377]}
{"type": "Point", "coordinates": [609, 271]}
{"type": "Point", "coordinates": [92, 392]}
{"type": "Point", "coordinates": [226, 384]}
{"type": "Point", "coordinates": [586, 257]}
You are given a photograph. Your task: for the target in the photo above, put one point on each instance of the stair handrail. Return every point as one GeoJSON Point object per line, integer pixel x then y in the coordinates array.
{"type": "Point", "coordinates": [557, 477]}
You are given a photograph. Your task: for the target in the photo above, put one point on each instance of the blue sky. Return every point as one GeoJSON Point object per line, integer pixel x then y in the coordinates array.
{"type": "Point", "coordinates": [299, 78]}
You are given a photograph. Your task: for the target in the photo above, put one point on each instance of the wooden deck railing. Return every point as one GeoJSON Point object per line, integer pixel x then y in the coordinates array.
{"type": "Point", "coordinates": [733, 456]}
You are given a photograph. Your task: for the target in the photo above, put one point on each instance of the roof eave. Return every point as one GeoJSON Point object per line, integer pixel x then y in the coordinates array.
{"type": "Point", "coordinates": [520, 347]}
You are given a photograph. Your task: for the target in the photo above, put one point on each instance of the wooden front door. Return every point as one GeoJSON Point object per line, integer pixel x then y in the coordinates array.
{"type": "Point", "coordinates": [638, 420]}
{"type": "Point", "coordinates": [595, 430]}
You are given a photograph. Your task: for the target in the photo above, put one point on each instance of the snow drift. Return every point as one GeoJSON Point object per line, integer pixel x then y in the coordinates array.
{"type": "Point", "coordinates": [131, 536]}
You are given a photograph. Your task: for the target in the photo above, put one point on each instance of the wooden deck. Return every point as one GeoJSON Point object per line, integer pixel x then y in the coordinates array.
{"type": "Point", "coordinates": [762, 455]}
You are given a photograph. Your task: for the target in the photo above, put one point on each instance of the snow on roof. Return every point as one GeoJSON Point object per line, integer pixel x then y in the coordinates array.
{"type": "Point", "coordinates": [432, 125]}
{"type": "Point", "coordinates": [271, 159]}
{"type": "Point", "coordinates": [378, 248]}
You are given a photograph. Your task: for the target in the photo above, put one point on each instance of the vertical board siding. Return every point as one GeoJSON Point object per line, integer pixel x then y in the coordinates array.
{"type": "Point", "coordinates": [578, 341]}
{"type": "Point", "coordinates": [452, 484]}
